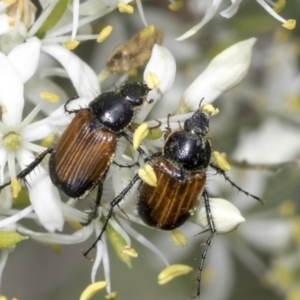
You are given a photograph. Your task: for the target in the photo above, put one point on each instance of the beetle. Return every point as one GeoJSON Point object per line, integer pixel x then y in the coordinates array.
{"type": "Point", "coordinates": [180, 169]}
{"type": "Point", "coordinates": [80, 159]}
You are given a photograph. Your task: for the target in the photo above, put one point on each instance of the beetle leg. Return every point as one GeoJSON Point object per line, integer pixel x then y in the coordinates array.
{"type": "Point", "coordinates": [113, 204]}
{"type": "Point", "coordinates": [74, 110]}
{"type": "Point", "coordinates": [136, 164]}
{"type": "Point", "coordinates": [30, 167]}
{"type": "Point", "coordinates": [212, 229]}
{"type": "Point", "coordinates": [223, 173]}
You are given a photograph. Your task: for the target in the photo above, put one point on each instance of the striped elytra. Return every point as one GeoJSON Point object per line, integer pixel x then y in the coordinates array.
{"type": "Point", "coordinates": [82, 155]}
{"type": "Point", "coordinates": [170, 203]}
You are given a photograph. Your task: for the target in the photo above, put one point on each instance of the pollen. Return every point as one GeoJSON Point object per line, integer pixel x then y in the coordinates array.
{"type": "Point", "coordinates": [221, 161]}
{"type": "Point", "coordinates": [172, 272]}
{"type": "Point", "coordinates": [15, 187]}
{"type": "Point", "coordinates": [129, 251]}
{"type": "Point", "coordinates": [289, 24]}
{"type": "Point", "coordinates": [71, 45]}
{"type": "Point", "coordinates": [139, 135]}
{"type": "Point", "coordinates": [148, 175]}
{"type": "Point", "coordinates": [147, 31]}
{"type": "Point", "coordinates": [125, 8]}
{"type": "Point", "coordinates": [178, 238]}
{"type": "Point", "coordinates": [53, 98]}
{"type": "Point", "coordinates": [111, 296]}
{"type": "Point", "coordinates": [92, 289]}
{"type": "Point", "coordinates": [210, 109]}
{"type": "Point", "coordinates": [176, 5]}
{"type": "Point", "coordinates": [104, 34]}
{"type": "Point", "coordinates": [152, 80]}
{"type": "Point", "coordinates": [279, 6]}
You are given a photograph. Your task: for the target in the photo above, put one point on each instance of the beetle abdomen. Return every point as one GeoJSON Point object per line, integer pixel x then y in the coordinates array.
{"type": "Point", "coordinates": [169, 204]}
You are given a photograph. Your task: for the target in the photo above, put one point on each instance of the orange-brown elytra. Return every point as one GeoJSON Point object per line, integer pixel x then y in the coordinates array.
{"type": "Point", "coordinates": [180, 170]}
{"type": "Point", "coordinates": [81, 157]}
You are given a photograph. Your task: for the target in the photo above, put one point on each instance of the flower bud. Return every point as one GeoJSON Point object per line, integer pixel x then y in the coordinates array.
{"type": "Point", "coordinates": [225, 215]}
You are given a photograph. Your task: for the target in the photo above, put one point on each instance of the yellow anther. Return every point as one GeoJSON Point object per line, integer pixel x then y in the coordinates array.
{"type": "Point", "coordinates": [210, 109]}
{"type": "Point", "coordinates": [221, 161]}
{"type": "Point", "coordinates": [10, 238]}
{"type": "Point", "coordinates": [71, 44]}
{"type": "Point", "coordinates": [92, 289]}
{"type": "Point", "coordinates": [152, 80]}
{"type": "Point", "coordinates": [75, 225]}
{"type": "Point", "coordinates": [48, 141]}
{"type": "Point", "coordinates": [111, 296]}
{"type": "Point", "coordinates": [53, 98]}
{"type": "Point", "coordinates": [56, 248]}
{"type": "Point", "coordinates": [287, 209]}
{"type": "Point", "coordinates": [289, 24]}
{"type": "Point", "coordinates": [140, 133]}
{"type": "Point", "coordinates": [172, 272]}
{"type": "Point", "coordinates": [148, 175]}
{"type": "Point", "coordinates": [293, 293]}
{"type": "Point", "coordinates": [279, 6]}
{"type": "Point", "coordinates": [15, 187]}
{"type": "Point", "coordinates": [103, 75]}
{"type": "Point", "coordinates": [147, 31]}
{"type": "Point", "coordinates": [125, 8]}
{"type": "Point", "coordinates": [176, 5]}
{"type": "Point", "coordinates": [104, 34]}
{"type": "Point", "coordinates": [178, 238]}
{"type": "Point", "coordinates": [129, 251]}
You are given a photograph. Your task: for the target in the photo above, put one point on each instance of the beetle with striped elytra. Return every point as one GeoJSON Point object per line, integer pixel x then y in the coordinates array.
{"type": "Point", "coordinates": [180, 171]}
{"type": "Point", "coordinates": [80, 159]}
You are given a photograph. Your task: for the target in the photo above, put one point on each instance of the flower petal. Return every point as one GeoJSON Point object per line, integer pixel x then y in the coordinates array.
{"type": "Point", "coordinates": [11, 93]}
{"type": "Point", "coordinates": [82, 76]}
{"type": "Point", "coordinates": [209, 14]}
{"type": "Point", "coordinates": [43, 195]}
{"type": "Point", "coordinates": [232, 9]}
{"type": "Point", "coordinates": [224, 72]}
{"type": "Point", "coordinates": [25, 58]}
{"type": "Point", "coordinates": [225, 215]}
{"type": "Point", "coordinates": [163, 67]}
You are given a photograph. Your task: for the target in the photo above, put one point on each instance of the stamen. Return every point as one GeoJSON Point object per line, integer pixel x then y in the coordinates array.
{"type": "Point", "coordinates": [172, 272]}
{"type": "Point", "coordinates": [104, 34]}
{"type": "Point", "coordinates": [53, 98]}
{"type": "Point", "coordinates": [71, 44]}
{"type": "Point", "coordinates": [125, 8]}
{"type": "Point", "coordinates": [92, 289]}
{"type": "Point", "coordinates": [139, 135]}
{"type": "Point", "coordinates": [152, 80]}
{"type": "Point", "coordinates": [15, 187]}
{"type": "Point", "coordinates": [289, 24]}
{"type": "Point", "coordinates": [148, 175]}
{"type": "Point", "coordinates": [178, 238]}
{"type": "Point", "coordinates": [176, 5]}
{"type": "Point", "coordinates": [221, 161]}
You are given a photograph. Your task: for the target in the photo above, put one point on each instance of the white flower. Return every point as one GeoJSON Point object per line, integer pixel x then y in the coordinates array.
{"type": "Point", "coordinates": [213, 6]}
{"type": "Point", "coordinates": [225, 215]}
{"type": "Point", "coordinates": [225, 71]}
{"type": "Point", "coordinates": [17, 136]}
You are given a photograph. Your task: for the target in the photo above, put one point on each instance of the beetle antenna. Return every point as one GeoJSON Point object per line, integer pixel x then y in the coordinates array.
{"type": "Point", "coordinates": [223, 173]}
